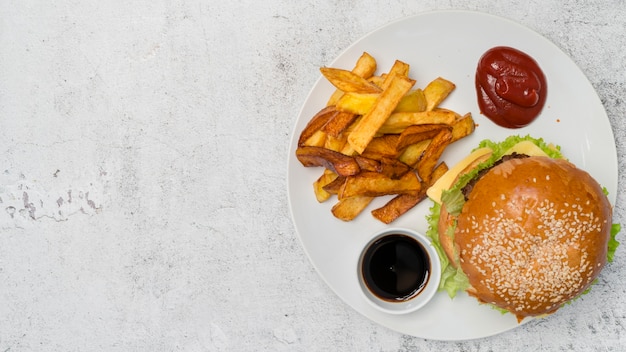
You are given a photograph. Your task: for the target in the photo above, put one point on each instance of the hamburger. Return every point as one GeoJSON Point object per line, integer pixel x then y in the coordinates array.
{"type": "Point", "coordinates": [520, 227]}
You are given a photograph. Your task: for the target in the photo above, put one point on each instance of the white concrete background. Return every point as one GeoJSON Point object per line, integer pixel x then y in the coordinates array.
{"type": "Point", "coordinates": [143, 150]}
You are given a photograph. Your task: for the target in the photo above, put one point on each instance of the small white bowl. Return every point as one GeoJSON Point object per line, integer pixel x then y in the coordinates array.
{"type": "Point", "coordinates": [393, 290]}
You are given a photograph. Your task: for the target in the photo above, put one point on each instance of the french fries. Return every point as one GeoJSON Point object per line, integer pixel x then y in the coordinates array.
{"type": "Point", "coordinates": [436, 91]}
{"type": "Point", "coordinates": [374, 184]}
{"type": "Point", "coordinates": [378, 136]}
{"type": "Point", "coordinates": [338, 163]}
{"type": "Point", "coordinates": [348, 208]}
{"type": "Point", "coordinates": [404, 202]}
{"type": "Point", "coordinates": [369, 124]}
{"type": "Point", "coordinates": [365, 67]}
{"type": "Point", "coordinates": [348, 81]}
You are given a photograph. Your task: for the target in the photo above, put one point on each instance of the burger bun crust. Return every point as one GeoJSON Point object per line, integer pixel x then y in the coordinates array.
{"type": "Point", "coordinates": [532, 235]}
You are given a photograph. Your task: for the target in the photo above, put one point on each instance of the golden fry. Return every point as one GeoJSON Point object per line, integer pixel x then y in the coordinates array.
{"type": "Point", "coordinates": [374, 184]}
{"type": "Point", "coordinates": [341, 164]}
{"type": "Point", "coordinates": [414, 101]}
{"type": "Point", "coordinates": [318, 186]}
{"type": "Point", "coordinates": [390, 167]}
{"type": "Point", "coordinates": [357, 103]}
{"type": "Point", "coordinates": [316, 123]}
{"type": "Point", "coordinates": [348, 208]}
{"type": "Point", "coordinates": [393, 168]}
{"type": "Point", "coordinates": [365, 67]}
{"type": "Point", "coordinates": [318, 139]}
{"type": "Point", "coordinates": [436, 91]}
{"type": "Point", "coordinates": [439, 171]}
{"type": "Point", "coordinates": [335, 143]}
{"type": "Point", "coordinates": [338, 123]}
{"type": "Point", "coordinates": [334, 186]}
{"type": "Point", "coordinates": [404, 202]}
{"type": "Point", "coordinates": [417, 133]}
{"type": "Point", "coordinates": [347, 81]}
{"type": "Point", "coordinates": [398, 121]}
{"type": "Point", "coordinates": [398, 206]}
{"type": "Point", "coordinates": [383, 146]}
{"type": "Point", "coordinates": [367, 164]}
{"type": "Point", "coordinates": [432, 154]}
{"type": "Point", "coordinates": [413, 153]}
{"type": "Point", "coordinates": [399, 68]}
{"type": "Point", "coordinates": [463, 127]}
{"type": "Point", "coordinates": [369, 124]}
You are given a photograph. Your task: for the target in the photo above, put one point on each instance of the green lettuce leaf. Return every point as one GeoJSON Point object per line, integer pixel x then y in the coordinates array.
{"type": "Point", "coordinates": [452, 279]}
{"type": "Point", "coordinates": [613, 243]}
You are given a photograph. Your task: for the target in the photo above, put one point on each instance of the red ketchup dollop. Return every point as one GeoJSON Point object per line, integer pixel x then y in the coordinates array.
{"type": "Point", "coordinates": [511, 87]}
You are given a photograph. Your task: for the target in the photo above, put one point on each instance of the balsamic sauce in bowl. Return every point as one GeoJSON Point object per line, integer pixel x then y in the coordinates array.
{"type": "Point", "coordinates": [399, 270]}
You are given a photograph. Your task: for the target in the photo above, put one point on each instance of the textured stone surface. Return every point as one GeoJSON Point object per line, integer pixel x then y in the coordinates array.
{"type": "Point", "coordinates": [143, 156]}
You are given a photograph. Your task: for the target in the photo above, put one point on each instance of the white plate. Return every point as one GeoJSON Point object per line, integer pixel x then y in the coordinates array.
{"type": "Point", "coordinates": [447, 44]}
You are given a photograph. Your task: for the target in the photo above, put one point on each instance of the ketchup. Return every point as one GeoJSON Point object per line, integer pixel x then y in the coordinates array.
{"type": "Point", "coordinates": [510, 86]}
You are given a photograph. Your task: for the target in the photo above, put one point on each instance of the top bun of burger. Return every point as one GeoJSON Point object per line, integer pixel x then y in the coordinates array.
{"type": "Point", "coordinates": [531, 235]}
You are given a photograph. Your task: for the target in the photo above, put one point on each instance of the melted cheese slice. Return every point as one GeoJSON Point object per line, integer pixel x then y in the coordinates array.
{"type": "Point", "coordinates": [526, 147]}
{"type": "Point", "coordinates": [447, 180]}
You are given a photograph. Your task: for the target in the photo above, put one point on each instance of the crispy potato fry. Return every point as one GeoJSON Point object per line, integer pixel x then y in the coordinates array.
{"type": "Point", "coordinates": [432, 154]}
{"type": "Point", "coordinates": [334, 186]}
{"type": "Point", "coordinates": [399, 68]}
{"type": "Point", "coordinates": [374, 184]}
{"type": "Point", "coordinates": [316, 123]}
{"type": "Point", "coordinates": [404, 202]}
{"type": "Point", "coordinates": [367, 164]}
{"type": "Point", "coordinates": [349, 208]}
{"type": "Point", "coordinates": [436, 91]}
{"type": "Point", "coordinates": [398, 206]}
{"type": "Point", "coordinates": [383, 146]}
{"type": "Point", "coordinates": [414, 101]}
{"type": "Point", "coordinates": [341, 164]}
{"type": "Point", "coordinates": [417, 133]}
{"type": "Point", "coordinates": [413, 153]}
{"type": "Point", "coordinates": [393, 168]}
{"type": "Point", "coordinates": [335, 143]}
{"type": "Point", "coordinates": [377, 80]}
{"type": "Point", "coordinates": [463, 127]}
{"type": "Point", "coordinates": [390, 167]}
{"type": "Point", "coordinates": [347, 81]}
{"type": "Point", "coordinates": [439, 171]}
{"type": "Point", "coordinates": [318, 186]}
{"type": "Point", "coordinates": [368, 125]}
{"type": "Point", "coordinates": [357, 103]}
{"type": "Point", "coordinates": [318, 139]}
{"type": "Point", "coordinates": [397, 122]}
{"type": "Point", "coordinates": [365, 67]}
{"type": "Point", "coordinates": [347, 150]}
{"type": "Point", "coordinates": [338, 123]}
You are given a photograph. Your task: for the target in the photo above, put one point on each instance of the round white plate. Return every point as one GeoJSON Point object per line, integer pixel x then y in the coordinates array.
{"type": "Point", "coordinates": [447, 44]}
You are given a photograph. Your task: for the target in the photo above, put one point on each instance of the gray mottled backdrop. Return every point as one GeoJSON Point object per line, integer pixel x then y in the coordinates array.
{"type": "Point", "coordinates": [143, 152]}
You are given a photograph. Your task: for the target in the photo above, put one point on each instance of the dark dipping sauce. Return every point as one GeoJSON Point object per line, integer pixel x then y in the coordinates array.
{"type": "Point", "coordinates": [395, 267]}
{"type": "Point", "coordinates": [510, 86]}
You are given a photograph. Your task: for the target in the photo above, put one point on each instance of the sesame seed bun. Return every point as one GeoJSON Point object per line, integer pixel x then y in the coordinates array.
{"type": "Point", "coordinates": [532, 235]}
